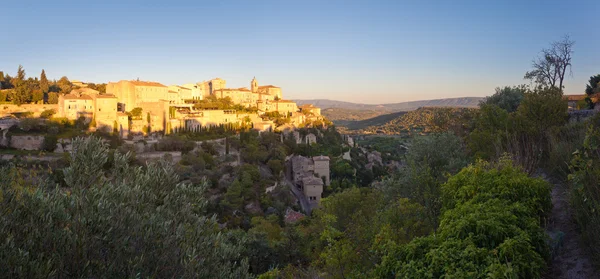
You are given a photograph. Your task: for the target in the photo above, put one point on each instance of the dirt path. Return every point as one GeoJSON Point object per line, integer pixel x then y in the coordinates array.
{"type": "Point", "coordinates": [571, 259]}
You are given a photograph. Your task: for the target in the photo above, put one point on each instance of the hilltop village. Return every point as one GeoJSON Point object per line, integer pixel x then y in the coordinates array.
{"type": "Point", "coordinates": [134, 106]}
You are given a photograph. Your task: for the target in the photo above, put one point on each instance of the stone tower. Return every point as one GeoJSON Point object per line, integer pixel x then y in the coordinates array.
{"type": "Point", "coordinates": [254, 85]}
{"type": "Point", "coordinates": [321, 164]}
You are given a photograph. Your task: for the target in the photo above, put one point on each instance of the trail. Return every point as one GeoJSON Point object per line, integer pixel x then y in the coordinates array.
{"type": "Point", "coordinates": [571, 259]}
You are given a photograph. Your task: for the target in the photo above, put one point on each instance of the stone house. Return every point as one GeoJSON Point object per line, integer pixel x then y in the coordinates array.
{"type": "Point", "coordinates": [308, 173]}
{"type": "Point", "coordinates": [312, 187]}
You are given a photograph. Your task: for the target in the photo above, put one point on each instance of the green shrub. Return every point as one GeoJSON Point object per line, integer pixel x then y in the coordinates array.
{"type": "Point", "coordinates": [48, 113]}
{"type": "Point", "coordinates": [490, 227]}
{"type": "Point", "coordinates": [585, 193]}
{"type": "Point", "coordinates": [562, 143]}
{"type": "Point", "coordinates": [50, 142]}
{"type": "Point", "coordinates": [124, 223]}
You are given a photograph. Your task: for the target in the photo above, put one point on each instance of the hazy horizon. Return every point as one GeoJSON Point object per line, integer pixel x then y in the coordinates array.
{"type": "Point", "coordinates": [361, 52]}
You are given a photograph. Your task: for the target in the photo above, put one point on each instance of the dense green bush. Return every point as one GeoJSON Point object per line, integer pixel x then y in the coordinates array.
{"type": "Point", "coordinates": [585, 193]}
{"type": "Point", "coordinates": [175, 143]}
{"type": "Point", "coordinates": [123, 223]}
{"type": "Point", "coordinates": [490, 227]}
{"type": "Point", "coordinates": [48, 113]}
{"type": "Point", "coordinates": [507, 98]}
{"type": "Point", "coordinates": [524, 133]}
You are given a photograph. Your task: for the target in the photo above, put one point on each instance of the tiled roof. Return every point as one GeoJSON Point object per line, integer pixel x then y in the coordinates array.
{"type": "Point", "coordinates": [146, 83]}
{"type": "Point", "coordinates": [292, 216]}
{"type": "Point", "coordinates": [75, 97]}
{"type": "Point", "coordinates": [233, 89]}
{"type": "Point", "coordinates": [106, 96]}
{"type": "Point", "coordinates": [268, 86]}
{"type": "Point", "coordinates": [574, 97]}
{"type": "Point", "coordinates": [311, 180]}
{"type": "Point", "coordinates": [321, 158]}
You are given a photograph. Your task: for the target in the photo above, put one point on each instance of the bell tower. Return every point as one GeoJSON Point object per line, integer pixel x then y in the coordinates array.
{"type": "Point", "coordinates": [254, 85]}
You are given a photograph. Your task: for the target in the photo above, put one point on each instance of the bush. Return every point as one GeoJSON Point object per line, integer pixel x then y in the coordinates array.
{"type": "Point", "coordinates": [30, 124]}
{"type": "Point", "coordinates": [175, 143]}
{"type": "Point", "coordinates": [123, 223]}
{"type": "Point", "coordinates": [50, 142]}
{"type": "Point", "coordinates": [507, 98]}
{"type": "Point", "coordinates": [585, 193]}
{"type": "Point", "coordinates": [48, 113]}
{"type": "Point", "coordinates": [52, 98]}
{"type": "Point", "coordinates": [490, 227]}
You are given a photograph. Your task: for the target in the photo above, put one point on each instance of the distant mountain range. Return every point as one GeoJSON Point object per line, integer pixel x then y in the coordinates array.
{"type": "Point", "coordinates": [394, 107]}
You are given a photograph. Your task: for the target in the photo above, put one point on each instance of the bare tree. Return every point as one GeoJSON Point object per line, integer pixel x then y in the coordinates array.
{"type": "Point", "coordinates": [551, 67]}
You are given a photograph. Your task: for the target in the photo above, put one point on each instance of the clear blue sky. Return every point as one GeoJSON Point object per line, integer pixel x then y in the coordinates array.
{"type": "Point", "coordinates": [363, 51]}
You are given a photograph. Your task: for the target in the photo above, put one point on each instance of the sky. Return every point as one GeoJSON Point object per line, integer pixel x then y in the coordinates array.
{"type": "Point", "coordinates": [357, 51]}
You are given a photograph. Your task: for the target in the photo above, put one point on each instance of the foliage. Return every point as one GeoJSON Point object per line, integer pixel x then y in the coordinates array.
{"type": "Point", "coordinates": [21, 94]}
{"type": "Point", "coordinates": [52, 98]}
{"type": "Point", "coordinates": [585, 194]}
{"type": "Point", "coordinates": [507, 98]}
{"type": "Point", "coordinates": [429, 161]}
{"type": "Point", "coordinates": [175, 143]}
{"type": "Point", "coordinates": [50, 142]}
{"type": "Point", "coordinates": [31, 124]}
{"type": "Point", "coordinates": [48, 113]}
{"type": "Point", "coordinates": [65, 85]}
{"type": "Point", "coordinates": [353, 221]}
{"type": "Point", "coordinates": [212, 102]}
{"type": "Point", "coordinates": [44, 84]}
{"type": "Point", "coordinates": [136, 113]}
{"type": "Point", "coordinates": [126, 222]}
{"type": "Point", "coordinates": [524, 133]}
{"type": "Point", "coordinates": [592, 87]}
{"type": "Point", "coordinates": [422, 120]}
{"type": "Point", "coordinates": [542, 109]}
{"type": "Point", "coordinates": [490, 227]}
{"type": "Point", "coordinates": [3, 95]}
{"type": "Point", "coordinates": [563, 141]}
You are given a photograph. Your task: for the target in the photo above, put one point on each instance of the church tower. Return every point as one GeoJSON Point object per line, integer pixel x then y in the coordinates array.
{"type": "Point", "coordinates": [254, 85]}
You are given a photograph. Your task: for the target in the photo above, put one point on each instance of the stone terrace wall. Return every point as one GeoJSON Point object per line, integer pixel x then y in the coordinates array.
{"type": "Point", "coordinates": [36, 109]}
{"type": "Point", "coordinates": [581, 115]}
{"type": "Point", "coordinates": [27, 142]}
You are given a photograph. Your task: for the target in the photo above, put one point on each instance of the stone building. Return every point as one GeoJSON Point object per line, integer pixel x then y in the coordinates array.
{"type": "Point", "coordinates": [105, 111]}
{"type": "Point", "coordinates": [73, 107]}
{"type": "Point", "coordinates": [242, 96]}
{"type": "Point", "coordinates": [308, 174]}
{"type": "Point", "coordinates": [171, 108]}
{"type": "Point", "coordinates": [310, 109]}
{"type": "Point", "coordinates": [312, 187]}
{"type": "Point", "coordinates": [208, 87]}
{"type": "Point", "coordinates": [178, 94]}
{"type": "Point", "coordinates": [101, 108]}
{"type": "Point", "coordinates": [321, 167]}
{"type": "Point", "coordinates": [131, 93]}
{"type": "Point", "coordinates": [196, 92]}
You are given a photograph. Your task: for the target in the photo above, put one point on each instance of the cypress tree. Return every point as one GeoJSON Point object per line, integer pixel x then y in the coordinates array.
{"type": "Point", "coordinates": [44, 85]}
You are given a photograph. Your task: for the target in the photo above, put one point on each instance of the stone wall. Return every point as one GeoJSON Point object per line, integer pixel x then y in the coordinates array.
{"type": "Point", "coordinates": [27, 142]}
{"type": "Point", "coordinates": [581, 115]}
{"type": "Point", "coordinates": [36, 109]}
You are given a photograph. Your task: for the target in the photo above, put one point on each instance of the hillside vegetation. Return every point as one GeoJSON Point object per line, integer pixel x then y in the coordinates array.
{"type": "Point", "coordinates": [374, 121]}
{"type": "Point", "coordinates": [394, 107]}
{"type": "Point", "coordinates": [422, 120]}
